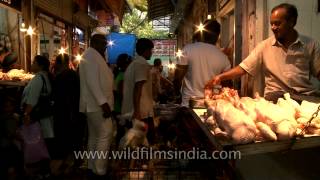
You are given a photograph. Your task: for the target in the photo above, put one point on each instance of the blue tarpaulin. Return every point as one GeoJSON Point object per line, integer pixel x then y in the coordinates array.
{"type": "Point", "coordinates": [119, 43]}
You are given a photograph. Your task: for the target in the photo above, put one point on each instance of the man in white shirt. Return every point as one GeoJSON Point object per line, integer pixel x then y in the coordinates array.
{"type": "Point", "coordinates": [137, 87]}
{"type": "Point", "coordinates": [290, 61]}
{"type": "Point", "coordinates": [199, 63]}
{"type": "Point", "coordinates": [96, 100]}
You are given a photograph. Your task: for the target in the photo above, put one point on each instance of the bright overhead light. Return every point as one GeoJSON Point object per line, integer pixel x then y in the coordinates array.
{"type": "Point", "coordinates": [78, 57]}
{"type": "Point", "coordinates": [209, 16]}
{"type": "Point", "coordinates": [171, 66]}
{"type": "Point", "coordinates": [179, 53]}
{"type": "Point", "coordinates": [62, 50]}
{"type": "Point", "coordinates": [110, 43]}
{"type": "Point", "coordinates": [30, 31]}
{"type": "Point", "coordinates": [200, 27]}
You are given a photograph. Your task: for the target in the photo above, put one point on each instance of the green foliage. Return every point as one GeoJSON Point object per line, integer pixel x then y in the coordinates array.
{"type": "Point", "coordinates": [141, 5]}
{"type": "Point", "coordinates": [137, 23]}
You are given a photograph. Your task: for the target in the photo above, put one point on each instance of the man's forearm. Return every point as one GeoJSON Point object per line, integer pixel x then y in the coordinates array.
{"type": "Point", "coordinates": [232, 73]}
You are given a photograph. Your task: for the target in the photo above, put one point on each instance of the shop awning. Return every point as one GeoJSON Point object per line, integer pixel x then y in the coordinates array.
{"type": "Point", "coordinates": [118, 7]}
{"type": "Point", "coordinates": [160, 8]}
{"type": "Point", "coordinates": [180, 13]}
{"type": "Point", "coordinates": [83, 20]}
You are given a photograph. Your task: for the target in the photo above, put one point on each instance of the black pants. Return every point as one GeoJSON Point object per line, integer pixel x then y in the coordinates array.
{"type": "Point", "coordinates": [151, 130]}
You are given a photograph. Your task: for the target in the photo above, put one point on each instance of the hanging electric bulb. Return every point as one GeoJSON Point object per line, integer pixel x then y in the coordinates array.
{"type": "Point", "coordinates": [23, 27]}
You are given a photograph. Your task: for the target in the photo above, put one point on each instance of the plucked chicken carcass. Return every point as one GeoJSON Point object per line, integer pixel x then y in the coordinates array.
{"type": "Point", "coordinates": [290, 105]}
{"type": "Point", "coordinates": [211, 122]}
{"type": "Point", "coordinates": [266, 132]}
{"type": "Point", "coordinates": [246, 119]}
{"type": "Point", "coordinates": [221, 93]}
{"type": "Point", "coordinates": [248, 105]}
{"type": "Point", "coordinates": [234, 122]}
{"type": "Point", "coordinates": [277, 118]}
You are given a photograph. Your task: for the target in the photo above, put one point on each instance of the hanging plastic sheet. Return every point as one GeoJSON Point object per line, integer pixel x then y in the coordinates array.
{"type": "Point", "coordinates": [119, 43]}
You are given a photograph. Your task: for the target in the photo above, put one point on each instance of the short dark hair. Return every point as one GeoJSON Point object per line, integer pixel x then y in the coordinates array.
{"type": "Point", "coordinates": [212, 26]}
{"type": "Point", "coordinates": [123, 59]}
{"type": "Point", "coordinates": [292, 12]}
{"type": "Point", "coordinates": [62, 59]}
{"type": "Point", "coordinates": [211, 32]}
{"type": "Point", "coordinates": [143, 44]}
{"type": "Point", "coordinates": [42, 62]}
{"type": "Point", "coordinates": [96, 37]}
{"type": "Point", "coordinates": [157, 62]}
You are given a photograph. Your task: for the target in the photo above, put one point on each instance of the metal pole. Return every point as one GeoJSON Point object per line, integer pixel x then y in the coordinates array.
{"type": "Point", "coordinates": [237, 38]}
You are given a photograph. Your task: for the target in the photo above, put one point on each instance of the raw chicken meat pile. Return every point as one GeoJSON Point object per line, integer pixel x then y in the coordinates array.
{"type": "Point", "coordinates": [245, 120]}
{"type": "Point", "coordinates": [16, 75]}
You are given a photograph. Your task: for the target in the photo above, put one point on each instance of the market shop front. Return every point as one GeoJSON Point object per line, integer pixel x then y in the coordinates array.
{"type": "Point", "coordinates": [10, 36]}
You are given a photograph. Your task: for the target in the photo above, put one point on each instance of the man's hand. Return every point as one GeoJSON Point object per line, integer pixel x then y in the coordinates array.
{"type": "Point", "coordinates": [106, 110]}
{"type": "Point", "coordinates": [216, 80]}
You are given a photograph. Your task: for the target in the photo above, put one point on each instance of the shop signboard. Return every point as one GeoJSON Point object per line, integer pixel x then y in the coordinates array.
{"type": "Point", "coordinates": [15, 4]}
{"type": "Point", "coordinates": [105, 18]}
{"type": "Point", "coordinates": [164, 47]}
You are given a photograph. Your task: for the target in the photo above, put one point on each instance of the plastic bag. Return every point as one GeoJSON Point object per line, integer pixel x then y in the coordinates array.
{"type": "Point", "coordinates": [34, 147]}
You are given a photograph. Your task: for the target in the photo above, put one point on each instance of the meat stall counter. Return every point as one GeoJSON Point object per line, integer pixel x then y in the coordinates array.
{"type": "Point", "coordinates": [15, 77]}
{"type": "Point", "coordinates": [255, 125]}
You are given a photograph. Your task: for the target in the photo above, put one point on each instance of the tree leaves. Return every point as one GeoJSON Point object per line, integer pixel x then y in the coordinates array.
{"type": "Point", "coordinates": [137, 23]}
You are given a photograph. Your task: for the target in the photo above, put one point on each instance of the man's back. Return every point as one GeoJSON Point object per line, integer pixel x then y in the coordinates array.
{"type": "Point", "coordinates": [138, 70]}
{"type": "Point", "coordinates": [204, 61]}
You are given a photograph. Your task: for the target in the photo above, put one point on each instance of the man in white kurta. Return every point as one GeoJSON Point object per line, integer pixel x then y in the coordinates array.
{"type": "Point", "coordinates": [96, 101]}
